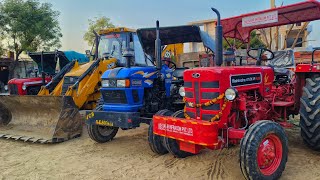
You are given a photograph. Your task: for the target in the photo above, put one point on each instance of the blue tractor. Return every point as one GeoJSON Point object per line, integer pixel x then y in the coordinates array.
{"type": "Point", "coordinates": [131, 95]}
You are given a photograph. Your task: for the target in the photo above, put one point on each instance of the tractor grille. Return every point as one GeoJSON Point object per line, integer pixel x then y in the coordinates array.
{"type": "Point", "coordinates": [135, 96]}
{"type": "Point", "coordinates": [114, 96]}
{"type": "Point", "coordinates": [13, 89]}
{"type": "Point", "coordinates": [201, 92]}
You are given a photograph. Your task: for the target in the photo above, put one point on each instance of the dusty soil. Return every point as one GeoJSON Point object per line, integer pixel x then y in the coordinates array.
{"type": "Point", "coordinates": [129, 157]}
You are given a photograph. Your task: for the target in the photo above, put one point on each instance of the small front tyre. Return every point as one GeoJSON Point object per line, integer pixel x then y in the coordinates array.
{"type": "Point", "coordinates": [173, 145]}
{"type": "Point", "coordinates": [102, 134]}
{"type": "Point", "coordinates": [263, 151]}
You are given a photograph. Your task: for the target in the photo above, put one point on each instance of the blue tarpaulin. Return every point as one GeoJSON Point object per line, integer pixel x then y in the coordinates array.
{"type": "Point", "coordinates": [71, 55]}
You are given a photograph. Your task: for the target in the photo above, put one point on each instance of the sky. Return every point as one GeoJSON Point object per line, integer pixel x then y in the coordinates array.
{"type": "Point", "coordinates": [74, 14]}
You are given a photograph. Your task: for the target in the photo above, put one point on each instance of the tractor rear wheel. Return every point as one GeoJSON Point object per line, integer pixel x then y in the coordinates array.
{"type": "Point", "coordinates": [173, 145]}
{"type": "Point", "coordinates": [101, 134]}
{"type": "Point", "coordinates": [263, 151]}
{"type": "Point", "coordinates": [310, 113]}
{"type": "Point", "coordinates": [156, 142]}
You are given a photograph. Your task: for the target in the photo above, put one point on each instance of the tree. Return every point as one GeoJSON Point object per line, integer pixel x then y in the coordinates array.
{"type": "Point", "coordinates": [29, 25]}
{"type": "Point", "coordinates": [255, 42]}
{"type": "Point", "coordinates": [96, 24]}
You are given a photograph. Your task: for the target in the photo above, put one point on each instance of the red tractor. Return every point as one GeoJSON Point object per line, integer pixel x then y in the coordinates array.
{"type": "Point", "coordinates": [246, 105]}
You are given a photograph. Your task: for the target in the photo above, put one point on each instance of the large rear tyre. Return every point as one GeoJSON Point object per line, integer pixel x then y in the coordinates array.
{"type": "Point", "coordinates": [102, 134]}
{"type": "Point", "coordinates": [156, 142]}
{"type": "Point", "coordinates": [310, 113]}
{"type": "Point", "coordinates": [173, 145]}
{"type": "Point", "coordinates": [263, 151]}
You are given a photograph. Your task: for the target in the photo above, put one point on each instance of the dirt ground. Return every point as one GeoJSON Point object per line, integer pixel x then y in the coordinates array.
{"type": "Point", "coordinates": [129, 157]}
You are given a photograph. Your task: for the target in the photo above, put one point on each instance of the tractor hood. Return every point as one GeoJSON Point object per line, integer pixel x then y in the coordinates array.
{"type": "Point", "coordinates": [133, 72]}
{"type": "Point", "coordinates": [174, 35]}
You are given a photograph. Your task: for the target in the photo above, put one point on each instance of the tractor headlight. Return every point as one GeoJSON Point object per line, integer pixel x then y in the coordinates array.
{"type": "Point", "coordinates": [6, 87]}
{"type": "Point", "coordinates": [182, 92]}
{"type": "Point", "coordinates": [123, 83]}
{"type": "Point", "coordinates": [24, 87]}
{"type": "Point", "coordinates": [231, 94]}
{"type": "Point", "coordinates": [105, 83]}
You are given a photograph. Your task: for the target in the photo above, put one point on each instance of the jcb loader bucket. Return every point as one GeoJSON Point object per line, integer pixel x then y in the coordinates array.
{"type": "Point", "coordinates": [44, 119]}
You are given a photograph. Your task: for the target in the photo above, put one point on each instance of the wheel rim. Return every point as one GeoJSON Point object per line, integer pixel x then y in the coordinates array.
{"type": "Point", "coordinates": [269, 154]}
{"type": "Point", "coordinates": [105, 130]}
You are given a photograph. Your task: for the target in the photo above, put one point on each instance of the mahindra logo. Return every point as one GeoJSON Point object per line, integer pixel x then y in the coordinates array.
{"type": "Point", "coordinates": [195, 75]}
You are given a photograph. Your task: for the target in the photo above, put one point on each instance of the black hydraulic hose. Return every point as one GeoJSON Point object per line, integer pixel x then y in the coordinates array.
{"type": "Point", "coordinates": [246, 119]}
{"type": "Point", "coordinates": [89, 70]}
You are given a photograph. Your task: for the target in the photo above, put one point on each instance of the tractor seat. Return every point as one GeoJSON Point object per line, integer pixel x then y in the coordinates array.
{"type": "Point", "coordinates": [178, 72]}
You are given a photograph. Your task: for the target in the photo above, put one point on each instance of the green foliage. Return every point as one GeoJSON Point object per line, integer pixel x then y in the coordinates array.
{"type": "Point", "coordinates": [96, 24]}
{"type": "Point", "coordinates": [28, 25]}
{"type": "Point", "coordinates": [255, 42]}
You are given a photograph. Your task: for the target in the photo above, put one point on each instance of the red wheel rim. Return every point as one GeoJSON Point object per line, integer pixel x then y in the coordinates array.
{"type": "Point", "coordinates": [269, 154]}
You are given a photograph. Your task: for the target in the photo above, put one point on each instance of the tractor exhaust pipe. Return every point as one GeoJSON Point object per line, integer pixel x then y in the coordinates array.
{"type": "Point", "coordinates": [219, 36]}
{"type": "Point", "coordinates": [158, 47]}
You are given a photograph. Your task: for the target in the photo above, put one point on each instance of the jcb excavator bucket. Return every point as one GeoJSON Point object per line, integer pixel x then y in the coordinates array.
{"type": "Point", "coordinates": [44, 119]}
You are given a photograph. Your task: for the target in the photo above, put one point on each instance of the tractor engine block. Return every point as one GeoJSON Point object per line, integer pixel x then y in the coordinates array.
{"type": "Point", "coordinates": [257, 108]}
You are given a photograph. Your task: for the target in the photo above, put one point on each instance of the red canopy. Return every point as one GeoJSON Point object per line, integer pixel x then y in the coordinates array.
{"type": "Point", "coordinates": [239, 27]}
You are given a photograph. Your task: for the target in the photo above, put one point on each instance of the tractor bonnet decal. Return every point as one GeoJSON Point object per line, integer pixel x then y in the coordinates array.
{"type": "Point", "coordinates": [145, 74]}
{"type": "Point", "coordinates": [149, 82]}
{"type": "Point", "coordinates": [245, 79]}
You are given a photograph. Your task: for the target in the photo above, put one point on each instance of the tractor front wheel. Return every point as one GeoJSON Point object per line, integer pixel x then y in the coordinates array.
{"type": "Point", "coordinates": [263, 151]}
{"type": "Point", "coordinates": [173, 145]}
{"type": "Point", "coordinates": [156, 142]}
{"type": "Point", "coordinates": [102, 134]}
{"type": "Point", "coordinates": [310, 113]}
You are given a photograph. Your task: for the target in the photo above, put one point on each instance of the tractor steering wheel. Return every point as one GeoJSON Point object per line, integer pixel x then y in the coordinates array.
{"type": "Point", "coordinates": [260, 54]}
{"type": "Point", "coordinates": [171, 64]}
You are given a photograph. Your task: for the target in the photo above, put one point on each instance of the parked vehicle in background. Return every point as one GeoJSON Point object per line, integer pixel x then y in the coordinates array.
{"type": "Point", "coordinates": [51, 61]}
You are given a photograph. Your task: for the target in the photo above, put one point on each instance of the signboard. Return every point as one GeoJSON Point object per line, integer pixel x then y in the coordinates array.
{"type": "Point", "coordinates": [259, 19]}
{"type": "Point", "coordinates": [245, 79]}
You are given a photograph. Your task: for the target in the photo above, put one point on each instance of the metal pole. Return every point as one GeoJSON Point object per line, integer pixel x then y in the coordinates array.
{"type": "Point", "coordinates": [97, 40]}
{"type": "Point", "coordinates": [43, 75]}
{"type": "Point", "coordinates": [219, 36]}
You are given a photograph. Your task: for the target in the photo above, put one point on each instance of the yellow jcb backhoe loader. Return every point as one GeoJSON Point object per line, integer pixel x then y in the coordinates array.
{"type": "Point", "coordinates": [53, 115]}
